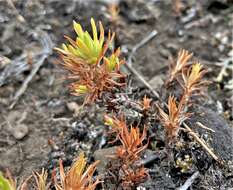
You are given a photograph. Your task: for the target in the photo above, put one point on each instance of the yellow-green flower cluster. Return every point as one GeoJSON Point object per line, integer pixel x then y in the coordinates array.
{"type": "Point", "coordinates": [111, 62]}
{"type": "Point", "coordinates": [86, 47]}
{"type": "Point", "coordinates": [82, 89]}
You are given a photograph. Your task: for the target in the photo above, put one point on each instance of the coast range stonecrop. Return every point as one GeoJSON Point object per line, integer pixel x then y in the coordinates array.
{"type": "Point", "coordinates": [130, 150]}
{"type": "Point", "coordinates": [78, 176]}
{"type": "Point", "coordinates": [91, 67]}
{"type": "Point", "coordinates": [192, 84]}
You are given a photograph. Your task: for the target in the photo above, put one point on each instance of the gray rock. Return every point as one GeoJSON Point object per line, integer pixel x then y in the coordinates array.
{"type": "Point", "coordinates": [104, 156]}
{"type": "Point", "coordinates": [19, 131]}
{"type": "Point", "coordinates": [157, 81]}
{"type": "Point", "coordinates": [15, 124]}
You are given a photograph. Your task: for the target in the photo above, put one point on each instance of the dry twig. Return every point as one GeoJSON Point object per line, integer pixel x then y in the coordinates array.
{"type": "Point", "coordinates": [140, 44]}
{"type": "Point", "coordinates": [204, 127]}
{"type": "Point", "coordinates": [134, 71]}
{"type": "Point", "coordinates": [47, 45]}
{"type": "Point", "coordinates": [189, 181]}
{"type": "Point", "coordinates": [202, 143]}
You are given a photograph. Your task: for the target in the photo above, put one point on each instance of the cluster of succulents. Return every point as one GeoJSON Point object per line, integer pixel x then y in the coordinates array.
{"type": "Point", "coordinates": [94, 70]}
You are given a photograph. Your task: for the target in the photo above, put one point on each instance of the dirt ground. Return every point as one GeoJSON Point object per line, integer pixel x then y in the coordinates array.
{"type": "Point", "coordinates": [41, 126]}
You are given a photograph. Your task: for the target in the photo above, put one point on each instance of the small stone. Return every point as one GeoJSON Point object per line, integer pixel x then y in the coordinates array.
{"type": "Point", "coordinates": [20, 131]}
{"type": "Point", "coordinates": [141, 188]}
{"type": "Point", "coordinates": [73, 107]}
{"type": "Point", "coordinates": [105, 156]}
{"type": "Point", "coordinates": [157, 82]}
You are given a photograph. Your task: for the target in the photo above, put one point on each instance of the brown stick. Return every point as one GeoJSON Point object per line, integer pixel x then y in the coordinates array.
{"type": "Point", "coordinates": [140, 77]}
{"type": "Point", "coordinates": [134, 71]}
{"type": "Point", "coordinates": [201, 142]}
{"type": "Point", "coordinates": [204, 127]}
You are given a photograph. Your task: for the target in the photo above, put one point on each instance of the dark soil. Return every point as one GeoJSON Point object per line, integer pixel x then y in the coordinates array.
{"type": "Point", "coordinates": [43, 125]}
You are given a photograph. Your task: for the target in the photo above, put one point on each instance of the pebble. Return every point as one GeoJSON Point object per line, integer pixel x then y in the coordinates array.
{"type": "Point", "coordinates": [105, 156]}
{"type": "Point", "coordinates": [16, 127]}
{"type": "Point", "coordinates": [19, 131]}
{"type": "Point", "coordinates": [73, 107]}
{"type": "Point", "coordinates": [157, 82]}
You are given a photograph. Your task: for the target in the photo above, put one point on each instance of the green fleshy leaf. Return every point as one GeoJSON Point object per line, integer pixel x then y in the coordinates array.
{"type": "Point", "coordinates": [5, 183]}
{"type": "Point", "coordinates": [78, 29]}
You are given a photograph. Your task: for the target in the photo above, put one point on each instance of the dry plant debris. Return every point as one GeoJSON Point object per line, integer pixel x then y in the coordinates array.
{"type": "Point", "coordinates": [146, 103]}
{"type": "Point", "coordinates": [41, 180]}
{"type": "Point", "coordinates": [113, 10]}
{"type": "Point", "coordinates": [226, 65]}
{"type": "Point", "coordinates": [176, 67]}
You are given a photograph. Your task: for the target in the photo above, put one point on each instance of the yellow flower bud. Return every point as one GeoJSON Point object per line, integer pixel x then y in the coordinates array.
{"type": "Point", "coordinates": [82, 89]}
{"type": "Point", "coordinates": [108, 121]}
